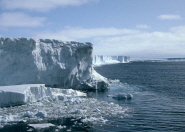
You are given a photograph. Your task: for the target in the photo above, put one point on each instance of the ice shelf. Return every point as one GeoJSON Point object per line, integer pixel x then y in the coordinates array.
{"type": "Point", "coordinates": [47, 61]}
{"type": "Point", "coordinates": [102, 59]}
{"type": "Point", "coordinates": [21, 94]}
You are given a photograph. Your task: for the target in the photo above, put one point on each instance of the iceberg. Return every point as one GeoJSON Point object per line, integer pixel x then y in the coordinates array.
{"type": "Point", "coordinates": [22, 94]}
{"type": "Point", "coordinates": [101, 59]}
{"type": "Point", "coordinates": [122, 96]}
{"type": "Point", "coordinates": [47, 61]}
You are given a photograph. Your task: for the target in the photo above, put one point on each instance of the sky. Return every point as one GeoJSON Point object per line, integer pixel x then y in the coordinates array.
{"type": "Point", "coordinates": [135, 28]}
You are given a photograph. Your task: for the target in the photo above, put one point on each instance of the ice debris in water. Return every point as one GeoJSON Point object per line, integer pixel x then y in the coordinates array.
{"type": "Point", "coordinates": [21, 94]}
{"type": "Point", "coordinates": [41, 114]}
{"type": "Point", "coordinates": [84, 109]}
{"type": "Point", "coordinates": [121, 96]}
{"type": "Point", "coordinates": [6, 118]}
{"type": "Point", "coordinates": [27, 114]}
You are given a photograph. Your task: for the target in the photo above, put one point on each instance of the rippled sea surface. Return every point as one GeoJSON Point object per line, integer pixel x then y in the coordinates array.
{"type": "Point", "coordinates": [158, 90]}
{"type": "Point", "coordinates": [158, 102]}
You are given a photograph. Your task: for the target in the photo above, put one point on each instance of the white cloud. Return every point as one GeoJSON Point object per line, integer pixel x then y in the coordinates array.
{"type": "Point", "coordinates": [41, 5]}
{"type": "Point", "coordinates": [113, 41]}
{"type": "Point", "coordinates": [169, 17]}
{"type": "Point", "coordinates": [142, 26]}
{"type": "Point", "coordinates": [82, 33]}
{"type": "Point", "coordinates": [18, 19]}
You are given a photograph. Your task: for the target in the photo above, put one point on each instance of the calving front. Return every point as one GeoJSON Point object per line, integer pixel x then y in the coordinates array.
{"type": "Point", "coordinates": [44, 61]}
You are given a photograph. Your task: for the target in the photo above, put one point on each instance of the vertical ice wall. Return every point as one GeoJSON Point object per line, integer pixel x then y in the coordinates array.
{"type": "Point", "coordinates": [44, 61]}
{"type": "Point", "coordinates": [101, 59]}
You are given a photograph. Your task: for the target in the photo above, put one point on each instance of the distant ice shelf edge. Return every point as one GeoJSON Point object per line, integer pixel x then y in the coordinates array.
{"type": "Point", "coordinates": [102, 59]}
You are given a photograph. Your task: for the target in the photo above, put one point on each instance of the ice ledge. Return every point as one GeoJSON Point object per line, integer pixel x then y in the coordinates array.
{"type": "Point", "coordinates": [21, 94]}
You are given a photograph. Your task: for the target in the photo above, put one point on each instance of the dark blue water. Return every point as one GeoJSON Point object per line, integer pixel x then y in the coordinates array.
{"type": "Point", "coordinates": [159, 95]}
{"type": "Point", "coordinates": [158, 103]}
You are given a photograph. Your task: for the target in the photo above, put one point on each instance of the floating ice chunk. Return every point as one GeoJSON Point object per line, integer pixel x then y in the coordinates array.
{"type": "Point", "coordinates": [41, 126]}
{"type": "Point", "coordinates": [6, 118]}
{"type": "Point", "coordinates": [94, 119]}
{"type": "Point", "coordinates": [21, 94]}
{"type": "Point", "coordinates": [91, 119]}
{"type": "Point", "coordinates": [61, 127]}
{"type": "Point", "coordinates": [122, 96]}
{"type": "Point", "coordinates": [75, 111]}
{"type": "Point", "coordinates": [73, 100]}
{"type": "Point", "coordinates": [96, 110]}
{"type": "Point", "coordinates": [41, 114]}
{"type": "Point", "coordinates": [129, 96]}
{"type": "Point", "coordinates": [26, 114]}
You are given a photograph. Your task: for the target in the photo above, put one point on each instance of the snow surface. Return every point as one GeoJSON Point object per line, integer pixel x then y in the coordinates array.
{"type": "Point", "coordinates": [46, 61]}
{"type": "Point", "coordinates": [102, 60]}
{"type": "Point", "coordinates": [21, 94]}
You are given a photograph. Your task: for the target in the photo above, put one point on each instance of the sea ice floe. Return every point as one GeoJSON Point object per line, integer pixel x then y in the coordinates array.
{"type": "Point", "coordinates": [122, 96]}
{"type": "Point", "coordinates": [41, 126]}
{"type": "Point", "coordinates": [27, 114]}
{"type": "Point", "coordinates": [6, 118]}
{"type": "Point", "coordinates": [41, 114]}
{"type": "Point", "coordinates": [21, 94]}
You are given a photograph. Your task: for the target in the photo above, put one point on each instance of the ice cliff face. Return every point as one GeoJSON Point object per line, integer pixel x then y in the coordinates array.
{"type": "Point", "coordinates": [101, 59]}
{"type": "Point", "coordinates": [44, 61]}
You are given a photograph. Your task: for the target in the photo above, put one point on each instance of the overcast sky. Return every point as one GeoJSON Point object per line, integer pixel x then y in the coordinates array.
{"type": "Point", "coordinates": [137, 28]}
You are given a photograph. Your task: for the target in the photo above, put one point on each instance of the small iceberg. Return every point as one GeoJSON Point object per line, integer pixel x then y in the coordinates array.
{"type": "Point", "coordinates": [122, 96]}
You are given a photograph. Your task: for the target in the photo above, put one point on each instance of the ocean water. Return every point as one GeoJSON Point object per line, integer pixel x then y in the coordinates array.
{"type": "Point", "coordinates": [158, 103]}
{"type": "Point", "coordinates": [158, 89]}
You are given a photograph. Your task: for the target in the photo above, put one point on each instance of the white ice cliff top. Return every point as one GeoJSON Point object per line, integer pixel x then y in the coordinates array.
{"type": "Point", "coordinates": [21, 94]}
{"type": "Point", "coordinates": [47, 61]}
